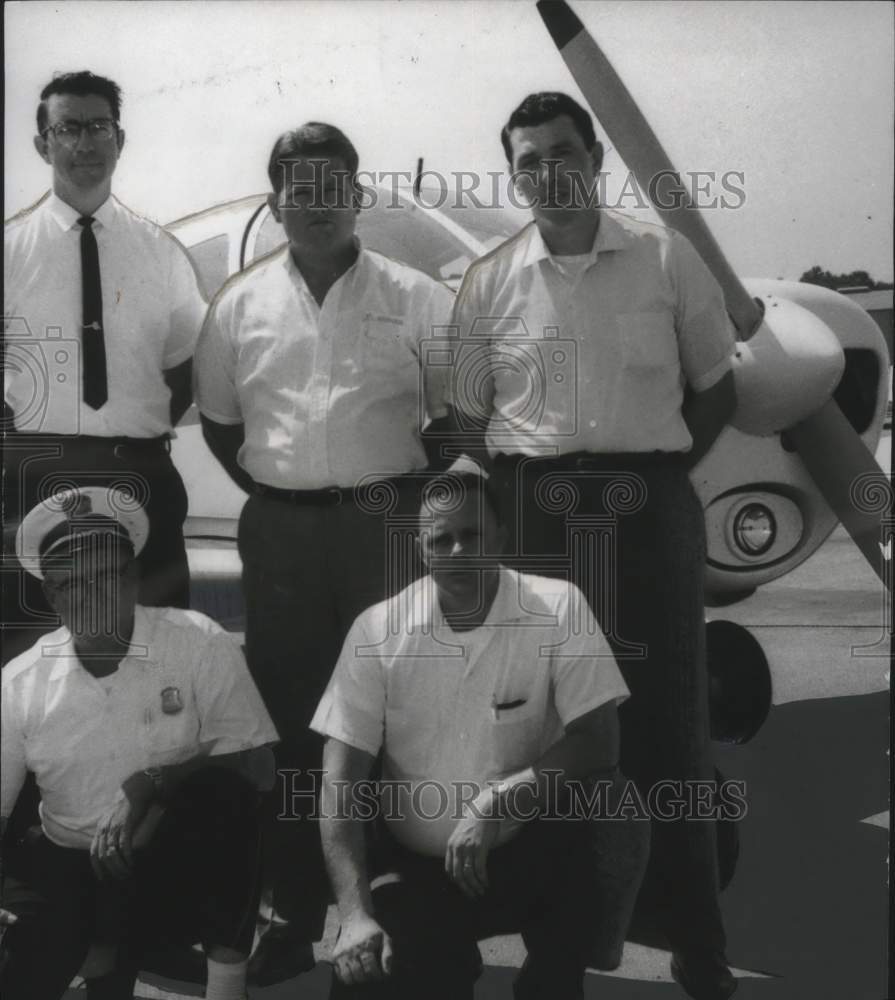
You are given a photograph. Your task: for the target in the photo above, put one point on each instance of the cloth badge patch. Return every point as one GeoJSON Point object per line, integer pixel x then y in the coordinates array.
{"type": "Point", "coordinates": [172, 703]}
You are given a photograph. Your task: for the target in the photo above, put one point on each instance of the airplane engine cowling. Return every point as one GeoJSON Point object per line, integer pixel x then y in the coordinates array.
{"type": "Point", "coordinates": [787, 370]}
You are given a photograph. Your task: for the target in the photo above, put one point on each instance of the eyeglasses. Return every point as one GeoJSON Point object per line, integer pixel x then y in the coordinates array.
{"type": "Point", "coordinates": [69, 133]}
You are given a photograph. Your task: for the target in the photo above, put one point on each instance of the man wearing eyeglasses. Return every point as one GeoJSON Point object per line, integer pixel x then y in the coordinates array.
{"type": "Point", "coordinates": [101, 312]}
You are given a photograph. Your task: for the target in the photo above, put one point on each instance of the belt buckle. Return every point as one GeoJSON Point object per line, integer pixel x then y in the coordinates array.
{"type": "Point", "coordinates": [337, 494]}
{"type": "Point", "coordinates": [118, 450]}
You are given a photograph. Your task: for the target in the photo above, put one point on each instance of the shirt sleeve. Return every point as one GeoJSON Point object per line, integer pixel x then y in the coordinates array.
{"type": "Point", "coordinates": [434, 328]}
{"type": "Point", "coordinates": [705, 333]}
{"type": "Point", "coordinates": [187, 306]}
{"type": "Point", "coordinates": [584, 672]}
{"type": "Point", "coordinates": [13, 766]}
{"type": "Point", "coordinates": [214, 368]}
{"type": "Point", "coordinates": [353, 706]}
{"type": "Point", "coordinates": [232, 716]}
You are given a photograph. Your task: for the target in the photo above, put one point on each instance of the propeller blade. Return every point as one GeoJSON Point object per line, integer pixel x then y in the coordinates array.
{"type": "Point", "coordinates": [833, 453]}
{"type": "Point", "coordinates": [849, 479]}
{"type": "Point", "coordinates": [643, 153]}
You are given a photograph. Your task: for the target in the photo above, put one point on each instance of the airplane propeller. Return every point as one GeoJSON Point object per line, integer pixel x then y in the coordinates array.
{"type": "Point", "coordinates": [772, 353]}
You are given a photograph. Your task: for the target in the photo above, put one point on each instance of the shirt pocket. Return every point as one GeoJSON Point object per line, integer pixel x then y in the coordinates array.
{"type": "Point", "coordinates": [648, 340]}
{"type": "Point", "coordinates": [385, 343]}
{"type": "Point", "coordinates": [515, 736]}
{"type": "Point", "coordinates": [409, 741]}
{"type": "Point", "coordinates": [171, 736]}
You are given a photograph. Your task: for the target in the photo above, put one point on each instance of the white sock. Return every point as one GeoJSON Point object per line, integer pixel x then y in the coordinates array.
{"type": "Point", "coordinates": [226, 980]}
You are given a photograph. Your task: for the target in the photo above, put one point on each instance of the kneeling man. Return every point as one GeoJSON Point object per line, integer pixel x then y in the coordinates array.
{"type": "Point", "coordinates": [148, 741]}
{"type": "Point", "coordinates": [491, 697]}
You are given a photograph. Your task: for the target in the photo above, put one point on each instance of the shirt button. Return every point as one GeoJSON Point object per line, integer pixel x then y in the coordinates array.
{"type": "Point", "coordinates": [592, 423]}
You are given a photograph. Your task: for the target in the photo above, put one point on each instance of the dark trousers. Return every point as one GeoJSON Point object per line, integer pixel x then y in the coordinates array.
{"type": "Point", "coordinates": [196, 881]}
{"type": "Point", "coordinates": [568, 885]}
{"type": "Point", "coordinates": [308, 571]}
{"type": "Point", "coordinates": [629, 532]}
{"type": "Point", "coordinates": [35, 466]}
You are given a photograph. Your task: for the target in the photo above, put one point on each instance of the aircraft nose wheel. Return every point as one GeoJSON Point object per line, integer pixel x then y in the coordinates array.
{"type": "Point", "coordinates": [739, 703]}
{"type": "Point", "coordinates": [739, 682]}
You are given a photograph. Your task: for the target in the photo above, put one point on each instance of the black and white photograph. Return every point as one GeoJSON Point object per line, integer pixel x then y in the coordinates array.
{"type": "Point", "coordinates": [447, 501]}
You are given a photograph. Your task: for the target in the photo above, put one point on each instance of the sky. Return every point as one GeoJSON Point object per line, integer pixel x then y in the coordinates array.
{"type": "Point", "coordinates": [796, 97]}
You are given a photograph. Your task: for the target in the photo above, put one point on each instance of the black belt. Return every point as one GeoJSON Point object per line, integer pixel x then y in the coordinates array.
{"type": "Point", "coordinates": [605, 461]}
{"type": "Point", "coordinates": [118, 447]}
{"type": "Point", "coordinates": [330, 496]}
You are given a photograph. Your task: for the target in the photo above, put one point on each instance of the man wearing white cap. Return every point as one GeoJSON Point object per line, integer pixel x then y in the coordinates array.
{"type": "Point", "coordinates": [148, 742]}
{"type": "Point", "coordinates": [488, 694]}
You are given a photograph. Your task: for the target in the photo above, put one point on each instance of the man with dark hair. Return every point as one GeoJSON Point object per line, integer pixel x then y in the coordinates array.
{"type": "Point", "coordinates": [312, 395]}
{"type": "Point", "coordinates": [82, 84]}
{"type": "Point", "coordinates": [603, 352]}
{"type": "Point", "coordinates": [101, 313]}
{"type": "Point", "coordinates": [149, 742]}
{"type": "Point", "coordinates": [315, 141]}
{"type": "Point", "coordinates": [487, 693]}
{"type": "Point", "coordinates": [544, 107]}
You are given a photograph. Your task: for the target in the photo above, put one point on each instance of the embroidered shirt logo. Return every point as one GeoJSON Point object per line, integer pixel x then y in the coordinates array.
{"type": "Point", "coordinates": [172, 703]}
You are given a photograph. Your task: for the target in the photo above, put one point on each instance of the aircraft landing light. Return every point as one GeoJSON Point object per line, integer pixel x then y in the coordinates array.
{"type": "Point", "coordinates": [755, 529]}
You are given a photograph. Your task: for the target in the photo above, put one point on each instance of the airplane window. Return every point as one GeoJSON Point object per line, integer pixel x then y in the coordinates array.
{"type": "Point", "coordinates": [212, 262]}
{"type": "Point", "coordinates": [270, 236]}
{"type": "Point", "coordinates": [412, 235]}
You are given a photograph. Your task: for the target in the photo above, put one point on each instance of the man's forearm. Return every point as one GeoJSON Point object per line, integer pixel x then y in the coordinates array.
{"type": "Point", "coordinates": [158, 784]}
{"type": "Point", "coordinates": [345, 852]}
{"type": "Point", "coordinates": [180, 381]}
{"type": "Point", "coordinates": [706, 414]}
{"type": "Point", "coordinates": [531, 791]}
{"type": "Point", "coordinates": [465, 434]}
{"type": "Point", "coordinates": [224, 442]}
{"type": "Point", "coordinates": [588, 748]}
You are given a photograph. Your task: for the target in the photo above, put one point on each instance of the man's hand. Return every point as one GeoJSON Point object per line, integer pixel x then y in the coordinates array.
{"type": "Point", "coordinates": [363, 952]}
{"type": "Point", "coordinates": [111, 853]}
{"type": "Point", "coordinates": [470, 843]}
{"type": "Point", "coordinates": [7, 918]}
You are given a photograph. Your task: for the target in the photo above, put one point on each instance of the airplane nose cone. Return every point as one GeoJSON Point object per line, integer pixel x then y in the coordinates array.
{"type": "Point", "coordinates": [786, 371]}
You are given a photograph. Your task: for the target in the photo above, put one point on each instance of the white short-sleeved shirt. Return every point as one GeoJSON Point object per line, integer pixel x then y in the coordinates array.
{"type": "Point", "coordinates": [183, 689]}
{"type": "Point", "coordinates": [152, 314]}
{"type": "Point", "coordinates": [328, 393]}
{"type": "Point", "coordinates": [435, 701]}
{"type": "Point", "coordinates": [594, 355]}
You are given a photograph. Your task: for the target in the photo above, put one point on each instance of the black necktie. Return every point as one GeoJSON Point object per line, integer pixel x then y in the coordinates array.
{"type": "Point", "coordinates": [93, 348]}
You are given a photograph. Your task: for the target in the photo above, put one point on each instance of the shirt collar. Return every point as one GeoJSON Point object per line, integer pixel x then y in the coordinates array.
{"type": "Point", "coordinates": [610, 236]}
{"type": "Point", "coordinates": [360, 262]}
{"type": "Point", "coordinates": [426, 610]}
{"type": "Point", "coordinates": [66, 659]}
{"type": "Point", "coordinates": [67, 217]}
